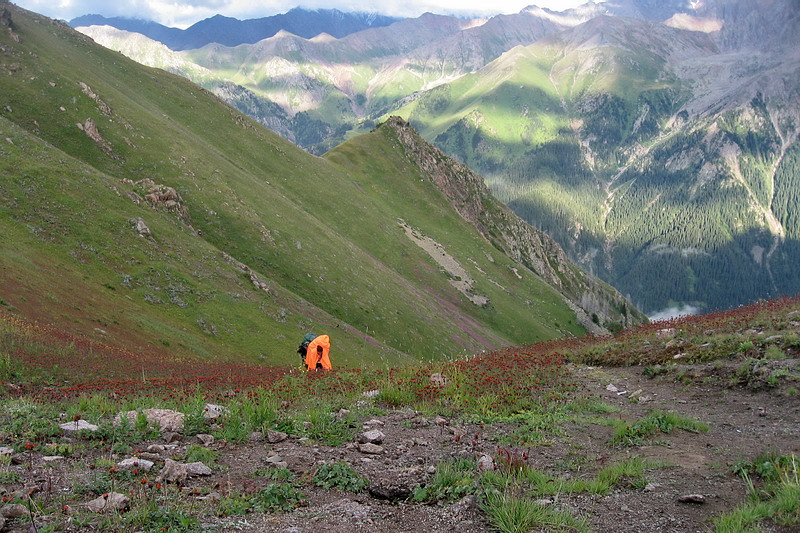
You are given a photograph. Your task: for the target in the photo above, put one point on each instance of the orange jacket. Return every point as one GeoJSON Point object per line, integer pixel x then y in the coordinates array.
{"type": "Point", "coordinates": [311, 353]}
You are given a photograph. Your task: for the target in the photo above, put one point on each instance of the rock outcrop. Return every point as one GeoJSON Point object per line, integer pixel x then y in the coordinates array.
{"type": "Point", "coordinates": [595, 302]}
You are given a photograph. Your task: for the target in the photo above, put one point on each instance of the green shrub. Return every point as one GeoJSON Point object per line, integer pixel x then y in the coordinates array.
{"type": "Point", "coordinates": [339, 476]}
{"type": "Point", "coordinates": [277, 497]}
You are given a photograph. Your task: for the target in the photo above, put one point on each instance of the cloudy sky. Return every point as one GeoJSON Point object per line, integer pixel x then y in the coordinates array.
{"type": "Point", "coordinates": [183, 13]}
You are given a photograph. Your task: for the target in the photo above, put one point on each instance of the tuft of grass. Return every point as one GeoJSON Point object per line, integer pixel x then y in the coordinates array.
{"type": "Point", "coordinates": [513, 514]}
{"type": "Point", "coordinates": [195, 453]}
{"type": "Point", "coordinates": [657, 421]}
{"type": "Point", "coordinates": [452, 481]}
{"type": "Point", "coordinates": [774, 495]}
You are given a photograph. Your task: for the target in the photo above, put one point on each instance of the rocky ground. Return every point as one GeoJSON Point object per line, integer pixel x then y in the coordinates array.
{"type": "Point", "coordinates": [743, 424]}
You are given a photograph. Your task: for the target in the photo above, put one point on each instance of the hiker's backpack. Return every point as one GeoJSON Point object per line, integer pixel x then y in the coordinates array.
{"type": "Point", "coordinates": [303, 348]}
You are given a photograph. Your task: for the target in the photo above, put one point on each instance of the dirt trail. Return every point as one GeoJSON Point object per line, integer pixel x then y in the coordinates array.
{"type": "Point", "coordinates": [743, 425]}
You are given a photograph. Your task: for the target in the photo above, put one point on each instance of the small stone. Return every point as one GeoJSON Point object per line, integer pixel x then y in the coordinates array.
{"type": "Point", "coordinates": [197, 469]}
{"type": "Point", "coordinates": [692, 498]}
{"type": "Point", "coordinates": [5, 450]}
{"type": "Point", "coordinates": [112, 501]}
{"type": "Point", "coordinates": [136, 463]}
{"type": "Point", "coordinates": [485, 464]}
{"type": "Point", "coordinates": [256, 436]}
{"type": "Point", "coordinates": [205, 439]}
{"type": "Point", "coordinates": [440, 421]}
{"type": "Point", "coordinates": [78, 425]}
{"type": "Point", "coordinates": [149, 456]}
{"type": "Point", "coordinates": [212, 411]}
{"type": "Point", "coordinates": [439, 380]}
{"type": "Point", "coordinates": [52, 458]}
{"type": "Point", "coordinates": [13, 510]}
{"type": "Point", "coordinates": [276, 461]}
{"type": "Point", "coordinates": [611, 388]}
{"type": "Point", "coordinates": [370, 448]}
{"type": "Point", "coordinates": [274, 437]}
{"type": "Point", "coordinates": [374, 422]}
{"type": "Point", "coordinates": [212, 496]}
{"type": "Point", "coordinates": [374, 436]}
{"type": "Point", "coordinates": [173, 471]}
{"type": "Point", "coordinates": [155, 448]}
{"type": "Point", "coordinates": [667, 333]}
{"type": "Point", "coordinates": [371, 393]}
{"type": "Point", "coordinates": [544, 502]}
{"type": "Point", "coordinates": [170, 437]}
{"type": "Point", "coordinates": [650, 487]}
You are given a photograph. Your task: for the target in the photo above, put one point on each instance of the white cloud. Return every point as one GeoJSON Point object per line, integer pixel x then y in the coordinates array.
{"type": "Point", "coordinates": [674, 312]}
{"type": "Point", "coordinates": [183, 13]}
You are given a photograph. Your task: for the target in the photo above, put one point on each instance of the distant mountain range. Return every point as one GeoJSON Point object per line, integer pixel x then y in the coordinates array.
{"type": "Point", "coordinates": [138, 209]}
{"type": "Point", "coordinates": [655, 141]}
{"type": "Point", "coordinates": [233, 32]}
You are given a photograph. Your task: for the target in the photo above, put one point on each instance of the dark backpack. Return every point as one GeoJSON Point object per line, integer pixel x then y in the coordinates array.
{"type": "Point", "coordinates": [303, 348]}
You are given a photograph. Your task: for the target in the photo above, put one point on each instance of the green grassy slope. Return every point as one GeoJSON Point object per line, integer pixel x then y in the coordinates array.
{"type": "Point", "coordinates": [320, 235]}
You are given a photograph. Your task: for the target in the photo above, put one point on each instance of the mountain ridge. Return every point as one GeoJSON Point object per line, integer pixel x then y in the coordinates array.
{"type": "Point", "coordinates": [233, 32]}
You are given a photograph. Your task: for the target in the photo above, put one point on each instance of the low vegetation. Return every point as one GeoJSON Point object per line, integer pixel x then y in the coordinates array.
{"type": "Point", "coordinates": [534, 392]}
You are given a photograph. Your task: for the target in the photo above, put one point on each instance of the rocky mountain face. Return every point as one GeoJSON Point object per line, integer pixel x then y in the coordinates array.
{"type": "Point", "coordinates": [655, 141]}
{"type": "Point", "coordinates": [470, 197]}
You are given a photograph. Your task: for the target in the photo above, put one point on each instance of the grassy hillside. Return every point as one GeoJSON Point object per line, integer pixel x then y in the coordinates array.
{"type": "Point", "coordinates": [252, 242]}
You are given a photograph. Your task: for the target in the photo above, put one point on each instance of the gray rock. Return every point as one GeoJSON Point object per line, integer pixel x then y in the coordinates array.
{"type": "Point", "coordinates": [373, 422]}
{"type": "Point", "coordinates": [52, 458]}
{"type": "Point", "coordinates": [374, 436]}
{"type": "Point", "coordinates": [667, 333]}
{"type": "Point", "coordinates": [173, 471]}
{"type": "Point", "coordinates": [371, 393]}
{"type": "Point", "coordinates": [205, 439]}
{"type": "Point", "coordinates": [13, 510]}
{"type": "Point", "coordinates": [213, 496]}
{"type": "Point", "coordinates": [5, 450]}
{"type": "Point", "coordinates": [212, 411]}
{"type": "Point", "coordinates": [197, 469]}
{"type": "Point", "coordinates": [276, 461]}
{"type": "Point", "coordinates": [485, 464]}
{"type": "Point", "coordinates": [78, 425]}
{"type": "Point", "coordinates": [256, 436]}
{"type": "Point", "coordinates": [167, 420]}
{"type": "Point", "coordinates": [370, 448]}
{"type": "Point", "coordinates": [112, 501]}
{"type": "Point", "coordinates": [140, 227]}
{"type": "Point", "coordinates": [274, 437]}
{"type": "Point", "coordinates": [155, 448]}
{"type": "Point", "coordinates": [692, 498]}
{"type": "Point", "coordinates": [136, 463]}
{"type": "Point", "coordinates": [439, 380]}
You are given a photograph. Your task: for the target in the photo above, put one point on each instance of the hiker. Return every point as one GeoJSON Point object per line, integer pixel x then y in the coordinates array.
{"type": "Point", "coordinates": [317, 354]}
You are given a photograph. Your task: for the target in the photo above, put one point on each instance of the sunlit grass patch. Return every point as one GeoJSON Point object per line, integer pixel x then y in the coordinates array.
{"type": "Point", "coordinates": [633, 434]}
{"type": "Point", "coordinates": [774, 495]}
